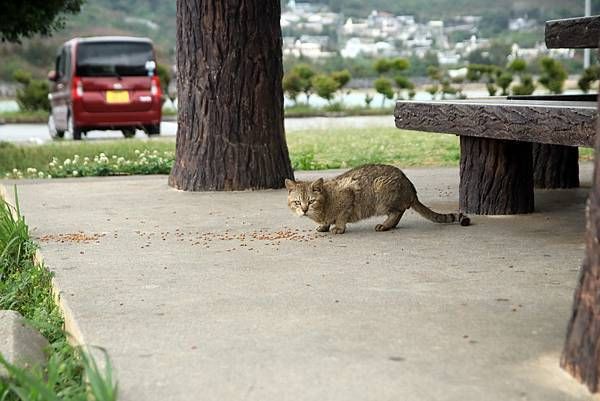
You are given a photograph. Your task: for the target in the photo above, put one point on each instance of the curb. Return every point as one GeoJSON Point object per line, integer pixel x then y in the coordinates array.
{"type": "Point", "coordinates": [72, 329]}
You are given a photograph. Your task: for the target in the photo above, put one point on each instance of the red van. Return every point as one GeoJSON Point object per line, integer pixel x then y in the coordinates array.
{"type": "Point", "coordinates": [105, 83]}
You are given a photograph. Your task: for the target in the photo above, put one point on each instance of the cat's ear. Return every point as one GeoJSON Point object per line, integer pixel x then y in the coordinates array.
{"type": "Point", "coordinates": [290, 184]}
{"type": "Point", "coordinates": [317, 186]}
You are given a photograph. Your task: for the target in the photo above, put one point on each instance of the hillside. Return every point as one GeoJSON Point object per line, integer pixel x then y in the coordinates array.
{"type": "Point", "coordinates": [156, 19]}
{"type": "Point", "coordinates": [442, 9]}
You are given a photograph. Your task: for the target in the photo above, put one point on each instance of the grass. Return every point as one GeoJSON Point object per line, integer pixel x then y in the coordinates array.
{"type": "Point", "coordinates": [337, 110]}
{"type": "Point", "coordinates": [25, 287]}
{"type": "Point", "coordinates": [24, 117]}
{"type": "Point", "coordinates": [309, 150]}
{"type": "Point", "coordinates": [300, 110]}
{"type": "Point", "coordinates": [341, 148]}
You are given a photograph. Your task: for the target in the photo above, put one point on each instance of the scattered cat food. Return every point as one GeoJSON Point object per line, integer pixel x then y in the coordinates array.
{"type": "Point", "coordinates": [78, 237]}
{"type": "Point", "coordinates": [267, 237]}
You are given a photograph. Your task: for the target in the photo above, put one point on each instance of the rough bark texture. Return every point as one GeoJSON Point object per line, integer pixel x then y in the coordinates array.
{"type": "Point", "coordinates": [581, 353]}
{"type": "Point", "coordinates": [230, 134]}
{"type": "Point", "coordinates": [495, 176]}
{"type": "Point", "coordinates": [555, 166]}
{"type": "Point", "coordinates": [573, 33]}
{"type": "Point", "coordinates": [552, 122]}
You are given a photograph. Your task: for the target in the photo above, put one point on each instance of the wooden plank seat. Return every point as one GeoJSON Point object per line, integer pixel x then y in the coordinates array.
{"type": "Point", "coordinates": [573, 33]}
{"type": "Point", "coordinates": [496, 137]}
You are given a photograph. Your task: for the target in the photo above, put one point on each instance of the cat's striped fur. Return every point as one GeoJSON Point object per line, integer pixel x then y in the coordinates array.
{"type": "Point", "coordinates": [369, 190]}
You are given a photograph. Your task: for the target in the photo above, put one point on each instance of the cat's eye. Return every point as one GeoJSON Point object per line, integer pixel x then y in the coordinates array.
{"type": "Point", "coordinates": [297, 203]}
{"type": "Point", "coordinates": [311, 201]}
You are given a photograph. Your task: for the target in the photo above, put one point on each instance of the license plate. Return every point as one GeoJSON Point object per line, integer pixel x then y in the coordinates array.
{"type": "Point", "coordinates": [117, 97]}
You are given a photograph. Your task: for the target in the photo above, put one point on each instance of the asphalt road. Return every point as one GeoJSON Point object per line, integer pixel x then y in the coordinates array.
{"type": "Point", "coordinates": [38, 133]}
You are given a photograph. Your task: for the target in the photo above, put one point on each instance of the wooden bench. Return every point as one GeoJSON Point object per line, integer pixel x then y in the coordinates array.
{"type": "Point", "coordinates": [496, 136]}
{"type": "Point", "coordinates": [509, 143]}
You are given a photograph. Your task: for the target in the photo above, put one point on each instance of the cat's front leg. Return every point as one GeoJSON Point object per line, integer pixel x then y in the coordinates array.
{"type": "Point", "coordinates": [323, 228]}
{"type": "Point", "coordinates": [339, 228]}
{"type": "Point", "coordinates": [340, 225]}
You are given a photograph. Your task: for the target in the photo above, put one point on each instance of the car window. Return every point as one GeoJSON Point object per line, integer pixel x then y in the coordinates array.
{"type": "Point", "coordinates": [67, 60]}
{"type": "Point", "coordinates": [113, 58]}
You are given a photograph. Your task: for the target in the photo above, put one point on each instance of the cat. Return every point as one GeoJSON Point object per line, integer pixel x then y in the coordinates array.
{"type": "Point", "coordinates": [365, 191]}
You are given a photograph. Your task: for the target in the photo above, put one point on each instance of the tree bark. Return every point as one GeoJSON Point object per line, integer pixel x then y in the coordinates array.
{"type": "Point", "coordinates": [495, 176]}
{"type": "Point", "coordinates": [581, 353]}
{"type": "Point", "coordinates": [230, 132]}
{"type": "Point", "coordinates": [555, 166]}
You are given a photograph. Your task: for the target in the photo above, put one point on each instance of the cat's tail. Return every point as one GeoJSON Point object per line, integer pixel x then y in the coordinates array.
{"type": "Point", "coordinates": [429, 214]}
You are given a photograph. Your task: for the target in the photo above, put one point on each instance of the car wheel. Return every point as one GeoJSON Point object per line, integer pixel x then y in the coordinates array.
{"type": "Point", "coordinates": [54, 133]}
{"type": "Point", "coordinates": [75, 132]}
{"type": "Point", "coordinates": [128, 132]}
{"type": "Point", "coordinates": [153, 130]}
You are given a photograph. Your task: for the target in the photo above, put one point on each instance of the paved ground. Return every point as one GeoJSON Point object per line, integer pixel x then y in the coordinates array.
{"type": "Point", "coordinates": [216, 296]}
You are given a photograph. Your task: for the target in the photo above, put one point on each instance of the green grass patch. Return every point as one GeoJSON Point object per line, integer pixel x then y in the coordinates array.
{"type": "Point", "coordinates": [24, 117]}
{"type": "Point", "coordinates": [309, 150]}
{"type": "Point", "coordinates": [39, 157]}
{"type": "Point", "coordinates": [337, 110]}
{"type": "Point", "coordinates": [341, 148]}
{"type": "Point", "coordinates": [25, 287]}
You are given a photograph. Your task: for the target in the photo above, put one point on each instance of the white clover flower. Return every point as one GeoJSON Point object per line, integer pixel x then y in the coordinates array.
{"type": "Point", "coordinates": [137, 152]}
{"type": "Point", "coordinates": [15, 171]}
{"type": "Point", "coordinates": [114, 157]}
{"type": "Point", "coordinates": [86, 159]}
{"type": "Point", "coordinates": [48, 176]}
{"type": "Point", "coordinates": [31, 170]}
{"type": "Point", "coordinates": [102, 155]}
{"type": "Point", "coordinates": [75, 173]}
{"type": "Point", "coordinates": [41, 174]}
{"type": "Point", "coordinates": [121, 160]}
{"type": "Point", "coordinates": [67, 162]}
{"type": "Point", "coordinates": [75, 159]}
{"type": "Point", "coordinates": [52, 164]}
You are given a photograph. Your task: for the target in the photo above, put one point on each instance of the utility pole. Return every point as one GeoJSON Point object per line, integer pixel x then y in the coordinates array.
{"type": "Point", "coordinates": [586, 52]}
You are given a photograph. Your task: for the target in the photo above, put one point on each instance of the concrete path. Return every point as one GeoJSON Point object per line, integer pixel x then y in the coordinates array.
{"type": "Point", "coordinates": [229, 296]}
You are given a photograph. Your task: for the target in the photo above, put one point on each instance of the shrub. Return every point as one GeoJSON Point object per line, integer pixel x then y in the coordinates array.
{"type": "Point", "coordinates": [33, 95]}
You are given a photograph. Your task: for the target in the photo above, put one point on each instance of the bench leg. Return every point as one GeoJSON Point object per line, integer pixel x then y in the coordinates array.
{"type": "Point", "coordinates": [496, 176]}
{"type": "Point", "coordinates": [555, 166]}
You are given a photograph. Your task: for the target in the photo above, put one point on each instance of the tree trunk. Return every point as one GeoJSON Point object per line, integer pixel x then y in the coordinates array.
{"type": "Point", "coordinates": [581, 353]}
{"type": "Point", "coordinates": [230, 132]}
{"type": "Point", "coordinates": [555, 166]}
{"type": "Point", "coordinates": [495, 176]}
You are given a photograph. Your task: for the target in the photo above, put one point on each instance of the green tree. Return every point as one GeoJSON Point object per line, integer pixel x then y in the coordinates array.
{"type": "Point", "coordinates": [368, 100]}
{"type": "Point", "coordinates": [590, 75]}
{"type": "Point", "coordinates": [525, 85]}
{"type": "Point", "coordinates": [33, 94]}
{"type": "Point", "coordinates": [292, 85]}
{"type": "Point", "coordinates": [382, 65]}
{"type": "Point", "coordinates": [404, 85]}
{"type": "Point", "coordinates": [475, 72]}
{"type": "Point", "coordinates": [305, 72]}
{"type": "Point", "coordinates": [342, 78]}
{"type": "Point", "coordinates": [553, 75]}
{"type": "Point", "coordinates": [504, 79]}
{"type": "Point", "coordinates": [23, 19]}
{"type": "Point", "coordinates": [384, 86]}
{"type": "Point", "coordinates": [164, 76]}
{"type": "Point", "coordinates": [325, 86]}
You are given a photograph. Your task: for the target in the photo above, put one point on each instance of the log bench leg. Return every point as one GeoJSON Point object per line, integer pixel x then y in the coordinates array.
{"type": "Point", "coordinates": [555, 166]}
{"type": "Point", "coordinates": [496, 176]}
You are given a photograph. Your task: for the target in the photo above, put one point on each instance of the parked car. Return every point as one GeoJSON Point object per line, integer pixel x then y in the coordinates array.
{"type": "Point", "coordinates": [105, 83]}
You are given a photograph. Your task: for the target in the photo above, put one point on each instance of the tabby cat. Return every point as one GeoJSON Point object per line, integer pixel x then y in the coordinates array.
{"type": "Point", "coordinates": [369, 190]}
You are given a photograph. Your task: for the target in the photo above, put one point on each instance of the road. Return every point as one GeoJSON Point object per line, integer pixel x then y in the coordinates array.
{"type": "Point", "coordinates": [38, 133]}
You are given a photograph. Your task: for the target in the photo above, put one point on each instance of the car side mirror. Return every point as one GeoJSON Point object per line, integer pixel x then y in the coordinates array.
{"type": "Point", "coordinates": [52, 76]}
